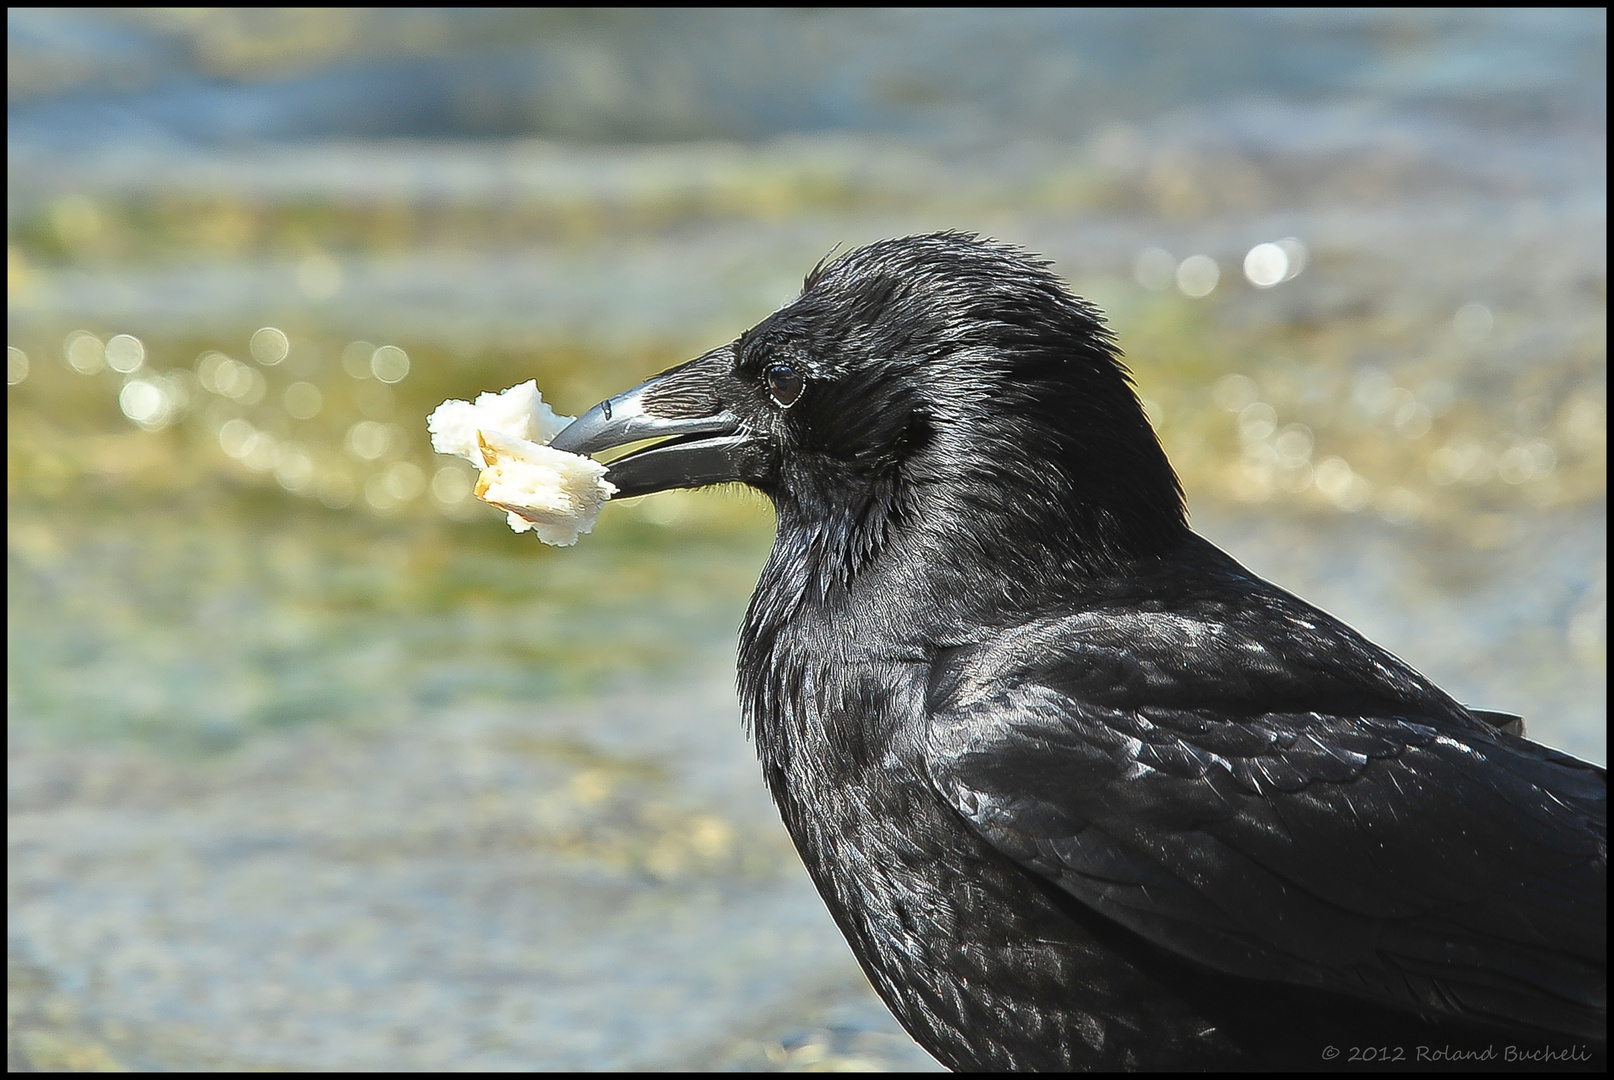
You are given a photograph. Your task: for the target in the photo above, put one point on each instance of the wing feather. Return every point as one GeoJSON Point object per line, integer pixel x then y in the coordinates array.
{"type": "Point", "coordinates": [1380, 841]}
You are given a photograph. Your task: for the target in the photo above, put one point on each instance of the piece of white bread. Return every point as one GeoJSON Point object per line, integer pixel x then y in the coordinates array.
{"type": "Point", "coordinates": [555, 494]}
{"type": "Point", "coordinates": [519, 412]}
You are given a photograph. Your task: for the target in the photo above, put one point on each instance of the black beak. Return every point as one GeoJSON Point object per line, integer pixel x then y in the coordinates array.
{"type": "Point", "coordinates": [708, 444]}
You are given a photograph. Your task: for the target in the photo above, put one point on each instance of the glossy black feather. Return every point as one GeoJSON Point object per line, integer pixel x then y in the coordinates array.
{"type": "Point", "coordinates": [1080, 790]}
{"type": "Point", "coordinates": [1314, 814]}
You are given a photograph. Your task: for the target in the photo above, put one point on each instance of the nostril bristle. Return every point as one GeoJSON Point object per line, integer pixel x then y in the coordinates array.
{"type": "Point", "coordinates": [680, 397]}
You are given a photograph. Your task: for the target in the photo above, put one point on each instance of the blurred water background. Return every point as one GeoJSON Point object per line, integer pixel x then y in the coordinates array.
{"type": "Point", "coordinates": [315, 765]}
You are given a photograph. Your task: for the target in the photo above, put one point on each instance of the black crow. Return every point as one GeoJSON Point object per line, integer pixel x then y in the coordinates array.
{"type": "Point", "coordinates": [1079, 789]}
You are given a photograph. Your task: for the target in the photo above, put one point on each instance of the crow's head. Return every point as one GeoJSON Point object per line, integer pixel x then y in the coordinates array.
{"type": "Point", "coordinates": [929, 390]}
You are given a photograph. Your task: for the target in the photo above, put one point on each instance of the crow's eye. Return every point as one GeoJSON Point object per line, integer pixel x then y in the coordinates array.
{"type": "Point", "coordinates": [784, 384]}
